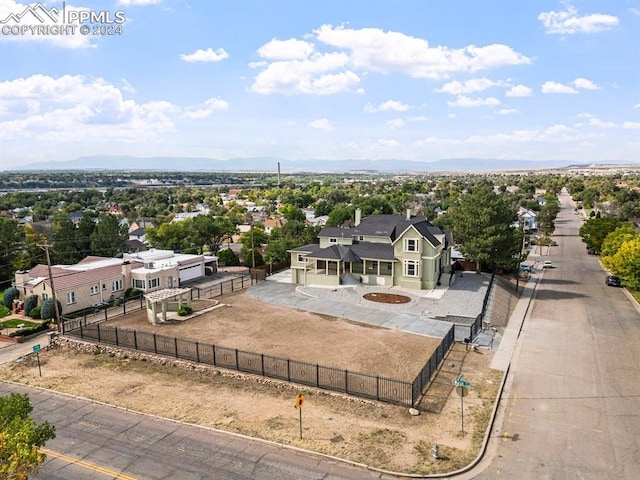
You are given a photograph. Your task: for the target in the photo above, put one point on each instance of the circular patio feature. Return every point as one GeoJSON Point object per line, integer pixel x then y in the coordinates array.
{"type": "Point", "coordinates": [386, 298]}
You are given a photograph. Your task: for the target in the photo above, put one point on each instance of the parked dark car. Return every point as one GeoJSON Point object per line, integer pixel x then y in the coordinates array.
{"type": "Point", "coordinates": [613, 281]}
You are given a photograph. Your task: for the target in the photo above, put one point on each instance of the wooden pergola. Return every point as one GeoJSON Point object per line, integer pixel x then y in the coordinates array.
{"type": "Point", "coordinates": [166, 300]}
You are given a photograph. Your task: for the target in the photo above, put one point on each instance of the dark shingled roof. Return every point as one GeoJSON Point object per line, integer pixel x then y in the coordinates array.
{"type": "Point", "coordinates": [335, 232]}
{"type": "Point", "coordinates": [356, 252]}
{"type": "Point", "coordinates": [393, 226]}
{"type": "Point", "coordinates": [310, 248]}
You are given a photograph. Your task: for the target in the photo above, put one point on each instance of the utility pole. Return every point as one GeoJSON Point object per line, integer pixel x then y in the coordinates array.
{"type": "Point", "coordinates": [53, 290]}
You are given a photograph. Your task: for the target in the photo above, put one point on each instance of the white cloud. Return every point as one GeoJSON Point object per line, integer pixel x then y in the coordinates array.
{"type": "Point", "coordinates": [49, 15]}
{"type": "Point", "coordinates": [556, 133]}
{"type": "Point", "coordinates": [321, 124]}
{"type": "Point", "coordinates": [596, 122]}
{"type": "Point", "coordinates": [396, 123]}
{"type": "Point", "coordinates": [128, 3]}
{"type": "Point", "coordinates": [208, 55]}
{"type": "Point", "coordinates": [585, 84]}
{"type": "Point", "coordinates": [569, 22]}
{"type": "Point", "coordinates": [388, 143]}
{"type": "Point", "coordinates": [507, 111]}
{"type": "Point", "coordinates": [292, 49]}
{"type": "Point", "coordinates": [632, 125]}
{"type": "Point", "coordinates": [468, 86]}
{"type": "Point", "coordinates": [463, 101]}
{"type": "Point", "coordinates": [206, 109]}
{"type": "Point", "coordinates": [373, 49]}
{"type": "Point", "coordinates": [308, 76]}
{"type": "Point", "coordinates": [127, 87]}
{"type": "Point", "coordinates": [389, 105]}
{"type": "Point", "coordinates": [519, 91]}
{"type": "Point", "coordinates": [636, 106]}
{"type": "Point", "coordinates": [555, 87]}
{"type": "Point", "coordinates": [295, 66]}
{"type": "Point", "coordinates": [635, 11]}
{"type": "Point", "coordinates": [78, 109]}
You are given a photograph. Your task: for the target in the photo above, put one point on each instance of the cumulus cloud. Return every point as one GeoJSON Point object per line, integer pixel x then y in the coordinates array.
{"type": "Point", "coordinates": [463, 101]}
{"type": "Point", "coordinates": [395, 123]}
{"type": "Point", "coordinates": [293, 66]}
{"type": "Point", "coordinates": [389, 105]}
{"type": "Point", "coordinates": [519, 91]}
{"type": "Point", "coordinates": [206, 109]}
{"type": "Point", "coordinates": [388, 143]}
{"type": "Point", "coordinates": [76, 107]}
{"type": "Point", "coordinates": [507, 111]}
{"type": "Point", "coordinates": [321, 124]}
{"type": "Point", "coordinates": [585, 84]}
{"type": "Point", "coordinates": [569, 21]}
{"type": "Point", "coordinates": [292, 49]}
{"type": "Point", "coordinates": [468, 86]}
{"type": "Point", "coordinates": [555, 87]}
{"type": "Point", "coordinates": [208, 55]}
{"type": "Point", "coordinates": [555, 133]}
{"type": "Point", "coordinates": [632, 125]}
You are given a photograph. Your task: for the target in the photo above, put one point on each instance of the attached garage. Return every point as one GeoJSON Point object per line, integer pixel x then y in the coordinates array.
{"type": "Point", "coordinates": [189, 272]}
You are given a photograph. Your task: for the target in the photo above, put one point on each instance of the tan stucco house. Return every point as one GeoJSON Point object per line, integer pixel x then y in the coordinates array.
{"type": "Point", "coordinates": [386, 250]}
{"type": "Point", "coordinates": [95, 281]}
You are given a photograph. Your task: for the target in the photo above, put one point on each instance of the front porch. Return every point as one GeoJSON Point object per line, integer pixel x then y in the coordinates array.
{"type": "Point", "coordinates": [323, 272]}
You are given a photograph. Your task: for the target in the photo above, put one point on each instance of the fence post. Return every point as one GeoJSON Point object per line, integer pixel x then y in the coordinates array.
{"type": "Point", "coordinates": [135, 340]}
{"type": "Point", "coordinates": [197, 352]}
{"type": "Point", "coordinates": [377, 388]}
{"type": "Point", "coordinates": [81, 334]}
{"type": "Point", "coordinates": [98, 325]}
{"type": "Point", "coordinates": [213, 347]}
{"type": "Point", "coordinates": [346, 381]}
{"type": "Point", "coordinates": [106, 315]}
{"type": "Point", "coordinates": [175, 346]}
{"type": "Point", "coordinates": [221, 288]}
{"type": "Point", "coordinates": [116, 332]}
{"type": "Point", "coordinates": [237, 364]}
{"type": "Point", "coordinates": [317, 376]}
{"type": "Point", "coordinates": [288, 371]}
{"type": "Point", "coordinates": [262, 362]}
{"type": "Point", "coordinates": [155, 344]}
{"type": "Point", "coordinates": [124, 305]}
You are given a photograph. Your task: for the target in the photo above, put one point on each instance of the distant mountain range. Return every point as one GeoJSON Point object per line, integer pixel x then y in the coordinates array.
{"type": "Point", "coordinates": [108, 162]}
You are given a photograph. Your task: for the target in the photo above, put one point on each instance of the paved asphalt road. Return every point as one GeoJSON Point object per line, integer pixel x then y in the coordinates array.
{"type": "Point", "coordinates": [573, 410]}
{"type": "Point", "coordinates": [99, 442]}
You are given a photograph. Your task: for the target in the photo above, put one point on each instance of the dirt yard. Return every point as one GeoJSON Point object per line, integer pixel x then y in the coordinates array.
{"type": "Point", "coordinates": [377, 434]}
{"type": "Point", "coordinates": [247, 324]}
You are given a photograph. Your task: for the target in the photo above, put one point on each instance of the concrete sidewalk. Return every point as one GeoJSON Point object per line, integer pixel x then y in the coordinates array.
{"type": "Point", "coordinates": [10, 352]}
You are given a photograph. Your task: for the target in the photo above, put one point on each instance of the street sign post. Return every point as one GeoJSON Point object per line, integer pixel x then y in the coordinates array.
{"type": "Point", "coordinates": [36, 350]}
{"type": "Point", "coordinates": [462, 390]}
{"type": "Point", "coordinates": [299, 402]}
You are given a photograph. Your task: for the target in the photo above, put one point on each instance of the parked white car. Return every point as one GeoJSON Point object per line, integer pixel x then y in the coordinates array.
{"type": "Point", "coordinates": [547, 264]}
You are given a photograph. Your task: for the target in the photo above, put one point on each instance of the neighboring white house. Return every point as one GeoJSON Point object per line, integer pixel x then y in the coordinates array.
{"type": "Point", "coordinates": [98, 280]}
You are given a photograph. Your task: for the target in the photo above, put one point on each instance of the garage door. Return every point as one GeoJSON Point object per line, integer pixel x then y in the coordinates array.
{"type": "Point", "coordinates": [190, 272]}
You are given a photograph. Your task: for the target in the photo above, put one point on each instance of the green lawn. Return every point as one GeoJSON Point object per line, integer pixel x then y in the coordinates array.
{"type": "Point", "coordinates": [14, 322]}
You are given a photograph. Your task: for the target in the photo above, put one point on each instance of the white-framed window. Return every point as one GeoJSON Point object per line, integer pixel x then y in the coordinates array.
{"type": "Point", "coordinates": [361, 238]}
{"type": "Point", "coordinates": [45, 296]}
{"type": "Point", "coordinates": [333, 240]}
{"type": "Point", "coordinates": [411, 245]}
{"type": "Point", "coordinates": [136, 283]}
{"type": "Point", "coordinates": [116, 285]}
{"type": "Point", "coordinates": [95, 289]}
{"type": "Point", "coordinates": [71, 298]}
{"type": "Point", "coordinates": [411, 268]}
{"type": "Point", "coordinates": [301, 258]}
{"type": "Point", "coordinates": [154, 282]}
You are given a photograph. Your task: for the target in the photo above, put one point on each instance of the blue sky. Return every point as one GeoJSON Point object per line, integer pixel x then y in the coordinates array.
{"type": "Point", "coordinates": [323, 79]}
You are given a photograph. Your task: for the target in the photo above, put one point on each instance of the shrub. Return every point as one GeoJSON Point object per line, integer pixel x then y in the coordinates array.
{"type": "Point", "coordinates": [185, 310]}
{"type": "Point", "coordinates": [228, 258]}
{"type": "Point", "coordinates": [35, 312]}
{"type": "Point", "coordinates": [131, 292]}
{"type": "Point", "coordinates": [29, 304]}
{"type": "Point", "coordinates": [30, 330]}
{"type": "Point", "coordinates": [47, 310]}
{"type": "Point", "coordinates": [10, 294]}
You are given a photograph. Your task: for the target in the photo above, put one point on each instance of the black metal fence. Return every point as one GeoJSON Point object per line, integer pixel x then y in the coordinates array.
{"type": "Point", "coordinates": [99, 314]}
{"type": "Point", "coordinates": [422, 381]}
{"type": "Point", "coordinates": [329, 378]}
{"type": "Point", "coordinates": [222, 288]}
{"type": "Point", "coordinates": [364, 385]}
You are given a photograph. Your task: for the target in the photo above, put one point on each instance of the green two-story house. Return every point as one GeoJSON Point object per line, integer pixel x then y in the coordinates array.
{"type": "Point", "coordinates": [386, 250]}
